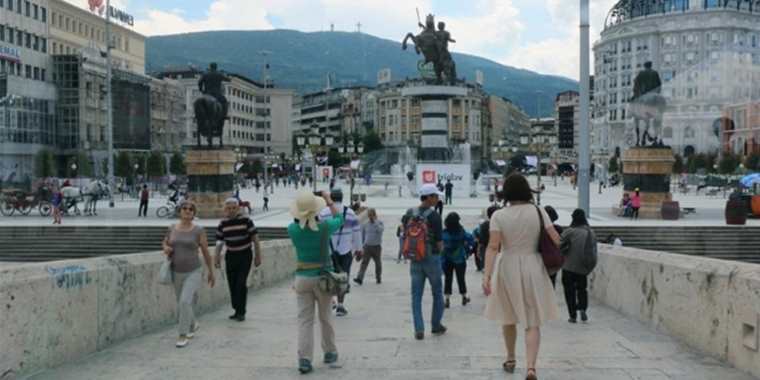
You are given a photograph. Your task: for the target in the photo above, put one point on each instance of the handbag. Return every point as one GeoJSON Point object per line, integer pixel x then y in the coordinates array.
{"type": "Point", "coordinates": [330, 282]}
{"type": "Point", "coordinates": [165, 273]}
{"type": "Point", "coordinates": [550, 253]}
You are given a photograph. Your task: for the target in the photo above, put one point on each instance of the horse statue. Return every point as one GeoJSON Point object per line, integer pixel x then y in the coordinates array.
{"type": "Point", "coordinates": [90, 195]}
{"type": "Point", "coordinates": [209, 114]}
{"type": "Point", "coordinates": [648, 105]}
{"type": "Point", "coordinates": [650, 109]}
{"type": "Point", "coordinates": [430, 43]}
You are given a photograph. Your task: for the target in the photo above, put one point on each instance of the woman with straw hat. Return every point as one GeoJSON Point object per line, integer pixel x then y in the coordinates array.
{"type": "Point", "coordinates": [310, 239]}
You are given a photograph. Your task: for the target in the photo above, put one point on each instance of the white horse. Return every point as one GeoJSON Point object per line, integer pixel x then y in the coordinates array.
{"type": "Point", "coordinates": [90, 194]}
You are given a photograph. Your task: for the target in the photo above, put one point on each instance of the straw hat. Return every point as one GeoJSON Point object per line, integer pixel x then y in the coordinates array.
{"type": "Point", "coordinates": [305, 208]}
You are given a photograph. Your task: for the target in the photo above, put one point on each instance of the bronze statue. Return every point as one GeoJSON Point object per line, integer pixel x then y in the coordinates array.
{"type": "Point", "coordinates": [647, 104]}
{"type": "Point", "coordinates": [212, 107]}
{"type": "Point", "coordinates": [434, 47]}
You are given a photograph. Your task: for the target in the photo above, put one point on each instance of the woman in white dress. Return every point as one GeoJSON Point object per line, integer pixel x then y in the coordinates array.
{"type": "Point", "coordinates": [521, 292]}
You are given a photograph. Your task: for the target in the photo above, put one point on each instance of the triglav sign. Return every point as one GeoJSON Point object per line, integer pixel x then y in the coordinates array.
{"type": "Point", "coordinates": [118, 14]}
{"type": "Point", "coordinates": [459, 175]}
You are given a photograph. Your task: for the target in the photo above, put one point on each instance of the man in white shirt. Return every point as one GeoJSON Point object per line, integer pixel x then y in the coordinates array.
{"type": "Point", "coordinates": [345, 243]}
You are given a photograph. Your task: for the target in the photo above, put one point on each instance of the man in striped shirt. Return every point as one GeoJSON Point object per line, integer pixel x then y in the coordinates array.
{"type": "Point", "coordinates": [239, 235]}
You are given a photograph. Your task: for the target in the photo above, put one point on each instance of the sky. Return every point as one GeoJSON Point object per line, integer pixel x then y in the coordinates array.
{"type": "Point", "coordinates": [538, 35]}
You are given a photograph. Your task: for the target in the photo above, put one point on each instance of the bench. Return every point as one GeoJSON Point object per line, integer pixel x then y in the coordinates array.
{"type": "Point", "coordinates": [688, 210]}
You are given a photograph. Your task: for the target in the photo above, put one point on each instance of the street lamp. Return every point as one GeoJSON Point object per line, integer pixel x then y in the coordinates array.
{"type": "Point", "coordinates": [313, 141]}
{"type": "Point", "coordinates": [74, 169]}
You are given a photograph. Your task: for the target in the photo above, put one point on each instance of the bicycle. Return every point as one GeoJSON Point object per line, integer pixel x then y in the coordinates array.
{"type": "Point", "coordinates": [171, 210]}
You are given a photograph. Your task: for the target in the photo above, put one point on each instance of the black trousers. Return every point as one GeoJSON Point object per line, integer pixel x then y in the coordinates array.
{"type": "Point", "coordinates": [576, 294]}
{"type": "Point", "coordinates": [448, 199]}
{"type": "Point", "coordinates": [448, 275]}
{"type": "Point", "coordinates": [143, 210]}
{"type": "Point", "coordinates": [238, 266]}
{"type": "Point", "coordinates": [342, 264]}
{"type": "Point", "coordinates": [480, 259]}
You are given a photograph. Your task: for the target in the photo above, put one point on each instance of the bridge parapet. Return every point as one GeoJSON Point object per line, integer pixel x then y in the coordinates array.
{"type": "Point", "coordinates": [711, 305]}
{"type": "Point", "coordinates": [60, 311]}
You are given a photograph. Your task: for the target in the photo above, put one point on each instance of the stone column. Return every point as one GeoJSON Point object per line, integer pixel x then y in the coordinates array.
{"type": "Point", "coordinates": [211, 174]}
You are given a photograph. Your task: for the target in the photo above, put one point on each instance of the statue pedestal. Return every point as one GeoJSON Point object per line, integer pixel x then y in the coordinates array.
{"type": "Point", "coordinates": [649, 170]}
{"type": "Point", "coordinates": [434, 101]}
{"type": "Point", "coordinates": [211, 175]}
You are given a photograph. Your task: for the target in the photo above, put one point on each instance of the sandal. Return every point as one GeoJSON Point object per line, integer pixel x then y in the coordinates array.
{"type": "Point", "coordinates": [509, 366]}
{"type": "Point", "coordinates": [531, 374]}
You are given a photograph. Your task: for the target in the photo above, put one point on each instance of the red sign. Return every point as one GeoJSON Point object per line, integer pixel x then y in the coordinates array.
{"type": "Point", "coordinates": [96, 5]}
{"type": "Point", "coordinates": [326, 172]}
{"type": "Point", "coordinates": [429, 176]}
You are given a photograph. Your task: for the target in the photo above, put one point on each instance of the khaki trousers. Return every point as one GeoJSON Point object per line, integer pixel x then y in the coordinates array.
{"type": "Point", "coordinates": [309, 297]}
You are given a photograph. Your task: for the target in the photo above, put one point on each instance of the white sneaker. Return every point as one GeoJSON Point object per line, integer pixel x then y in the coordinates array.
{"type": "Point", "coordinates": [182, 341]}
{"type": "Point", "coordinates": [193, 330]}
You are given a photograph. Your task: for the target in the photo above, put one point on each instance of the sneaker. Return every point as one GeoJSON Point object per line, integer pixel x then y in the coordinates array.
{"type": "Point", "coordinates": [304, 366]}
{"type": "Point", "coordinates": [446, 303]}
{"type": "Point", "coordinates": [341, 311]}
{"type": "Point", "coordinates": [240, 318]}
{"type": "Point", "coordinates": [573, 320]}
{"type": "Point", "coordinates": [193, 330]}
{"type": "Point", "coordinates": [440, 330]}
{"type": "Point", "coordinates": [584, 317]}
{"type": "Point", "coordinates": [182, 341]}
{"type": "Point", "coordinates": [419, 335]}
{"type": "Point", "coordinates": [358, 281]}
{"type": "Point", "coordinates": [379, 281]}
{"type": "Point", "coordinates": [465, 300]}
{"type": "Point", "coordinates": [331, 357]}
{"type": "Point", "coordinates": [233, 316]}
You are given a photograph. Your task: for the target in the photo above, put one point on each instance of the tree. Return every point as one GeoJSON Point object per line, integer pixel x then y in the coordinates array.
{"type": "Point", "coordinates": [123, 165]}
{"type": "Point", "coordinates": [696, 162]}
{"type": "Point", "coordinates": [612, 166]}
{"type": "Point", "coordinates": [44, 164]}
{"type": "Point", "coordinates": [728, 164]}
{"type": "Point", "coordinates": [752, 163]}
{"type": "Point", "coordinates": [83, 166]}
{"type": "Point", "coordinates": [372, 142]}
{"type": "Point", "coordinates": [156, 165]}
{"type": "Point", "coordinates": [678, 165]}
{"type": "Point", "coordinates": [177, 164]}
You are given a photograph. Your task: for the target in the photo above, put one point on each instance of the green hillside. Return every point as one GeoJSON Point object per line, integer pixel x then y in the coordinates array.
{"type": "Point", "coordinates": [302, 60]}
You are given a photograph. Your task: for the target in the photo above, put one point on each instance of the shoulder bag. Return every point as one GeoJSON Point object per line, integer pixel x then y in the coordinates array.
{"type": "Point", "coordinates": [330, 282]}
{"type": "Point", "coordinates": [550, 253]}
{"type": "Point", "coordinates": [165, 276]}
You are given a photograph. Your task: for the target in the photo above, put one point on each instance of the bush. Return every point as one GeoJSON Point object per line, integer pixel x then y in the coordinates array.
{"type": "Point", "coordinates": [44, 164]}
{"type": "Point", "coordinates": [177, 164]}
{"type": "Point", "coordinates": [678, 165]}
{"type": "Point", "coordinates": [612, 166]}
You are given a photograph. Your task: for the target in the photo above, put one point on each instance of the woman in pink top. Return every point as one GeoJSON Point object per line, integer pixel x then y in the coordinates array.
{"type": "Point", "coordinates": [635, 204]}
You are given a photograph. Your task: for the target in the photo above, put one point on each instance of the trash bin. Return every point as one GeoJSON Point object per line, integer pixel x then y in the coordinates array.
{"type": "Point", "coordinates": [736, 211]}
{"type": "Point", "coordinates": [671, 210]}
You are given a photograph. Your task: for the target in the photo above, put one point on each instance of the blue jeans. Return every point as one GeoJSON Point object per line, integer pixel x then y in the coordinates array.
{"type": "Point", "coordinates": [429, 269]}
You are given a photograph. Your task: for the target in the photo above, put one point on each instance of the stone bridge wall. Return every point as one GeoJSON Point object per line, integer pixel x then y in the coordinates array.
{"type": "Point", "coordinates": [711, 305]}
{"type": "Point", "coordinates": [52, 313]}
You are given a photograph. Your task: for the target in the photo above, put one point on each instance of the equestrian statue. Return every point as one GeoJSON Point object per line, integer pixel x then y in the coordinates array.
{"type": "Point", "coordinates": [434, 46]}
{"type": "Point", "coordinates": [648, 105]}
{"type": "Point", "coordinates": [212, 107]}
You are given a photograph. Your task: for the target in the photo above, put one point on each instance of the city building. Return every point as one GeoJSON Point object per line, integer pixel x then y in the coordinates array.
{"type": "Point", "coordinates": [398, 118]}
{"type": "Point", "coordinates": [167, 115]}
{"type": "Point", "coordinates": [73, 28]}
{"type": "Point", "coordinates": [27, 98]}
{"type": "Point", "coordinates": [507, 121]}
{"type": "Point", "coordinates": [259, 118]}
{"type": "Point", "coordinates": [567, 111]}
{"type": "Point", "coordinates": [740, 129]}
{"type": "Point", "coordinates": [707, 53]}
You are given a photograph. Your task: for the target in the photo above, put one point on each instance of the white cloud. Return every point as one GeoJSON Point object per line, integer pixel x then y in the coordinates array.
{"type": "Point", "coordinates": [561, 55]}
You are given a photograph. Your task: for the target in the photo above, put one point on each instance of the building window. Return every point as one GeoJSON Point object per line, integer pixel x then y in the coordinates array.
{"type": "Point", "coordinates": [36, 73]}
{"type": "Point", "coordinates": [28, 40]}
{"type": "Point", "coordinates": [44, 45]}
{"type": "Point", "coordinates": [28, 71]}
{"type": "Point", "coordinates": [36, 43]}
{"type": "Point", "coordinates": [10, 5]}
{"type": "Point", "coordinates": [2, 32]}
{"type": "Point", "coordinates": [43, 14]}
{"type": "Point", "coordinates": [42, 75]}
{"type": "Point", "coordinates": [20, 38]}
{"type": "Point", "coordinates": [28, 7]}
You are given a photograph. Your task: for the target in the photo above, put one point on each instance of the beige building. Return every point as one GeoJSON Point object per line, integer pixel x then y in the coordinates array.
{"type": "Point", "coordinates": [259, 118]}
{"type": "Point", "coordinates": [167, 115]}
{"type": "Point", "coordinates": [73, 28]}
{"type": "Point", "coordinates": [507, 122]}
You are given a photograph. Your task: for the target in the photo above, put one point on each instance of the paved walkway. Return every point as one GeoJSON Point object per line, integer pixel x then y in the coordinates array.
{"type": "Point", "coordinates": [375, 342]}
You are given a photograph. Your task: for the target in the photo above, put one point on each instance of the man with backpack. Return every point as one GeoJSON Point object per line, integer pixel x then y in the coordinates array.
{"type": "Point", "coordinates": [423, 244]}
{"type": "Point", "coordinates": [344, 244]}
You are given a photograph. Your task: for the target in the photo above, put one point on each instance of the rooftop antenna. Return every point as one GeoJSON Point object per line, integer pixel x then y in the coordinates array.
{"type": "Point", "coordinates": [332, 26]}
{"type": "Point", "coordinates": [358, 27]}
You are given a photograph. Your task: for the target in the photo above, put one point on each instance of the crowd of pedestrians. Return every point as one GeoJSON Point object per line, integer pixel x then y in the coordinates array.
{"type": "Point", "coordinates": [328, 236]}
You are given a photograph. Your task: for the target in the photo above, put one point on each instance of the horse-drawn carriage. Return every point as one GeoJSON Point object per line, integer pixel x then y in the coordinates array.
{"type": "Point", "coordinates": [15, 200]}
{"type": "Point", "coordinates": [89, 194]}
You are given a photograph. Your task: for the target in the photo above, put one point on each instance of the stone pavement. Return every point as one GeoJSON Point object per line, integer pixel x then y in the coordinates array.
{"type": "Point", "coordinates": [375, 342]}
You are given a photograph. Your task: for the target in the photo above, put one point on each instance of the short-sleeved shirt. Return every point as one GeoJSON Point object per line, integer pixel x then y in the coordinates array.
{"type": "Point", "coordinates": [307, 243]}
{"type": "Point", "coordinates": [236, 233]}
{"type": "Point", "coordinates": [434, 224]}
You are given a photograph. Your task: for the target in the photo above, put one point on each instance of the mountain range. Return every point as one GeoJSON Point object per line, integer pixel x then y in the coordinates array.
{"type": "Point", "coordinates": [302, 61]}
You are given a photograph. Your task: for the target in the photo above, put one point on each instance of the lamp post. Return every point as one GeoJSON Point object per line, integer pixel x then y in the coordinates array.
{"type": "Point", "coordinates": [313, 141]}
{"type": "Point", "coordinates": [74, 169]}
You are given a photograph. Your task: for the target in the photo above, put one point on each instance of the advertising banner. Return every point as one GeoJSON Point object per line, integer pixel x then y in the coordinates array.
{"type": "Point", "coordinates": [324, 173]}
{"type": "Point", "coordinates": [460, 176]}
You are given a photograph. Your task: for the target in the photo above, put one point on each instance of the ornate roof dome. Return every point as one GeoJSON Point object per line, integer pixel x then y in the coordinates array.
{"type": "Point", "coordinates": [626, 10]}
